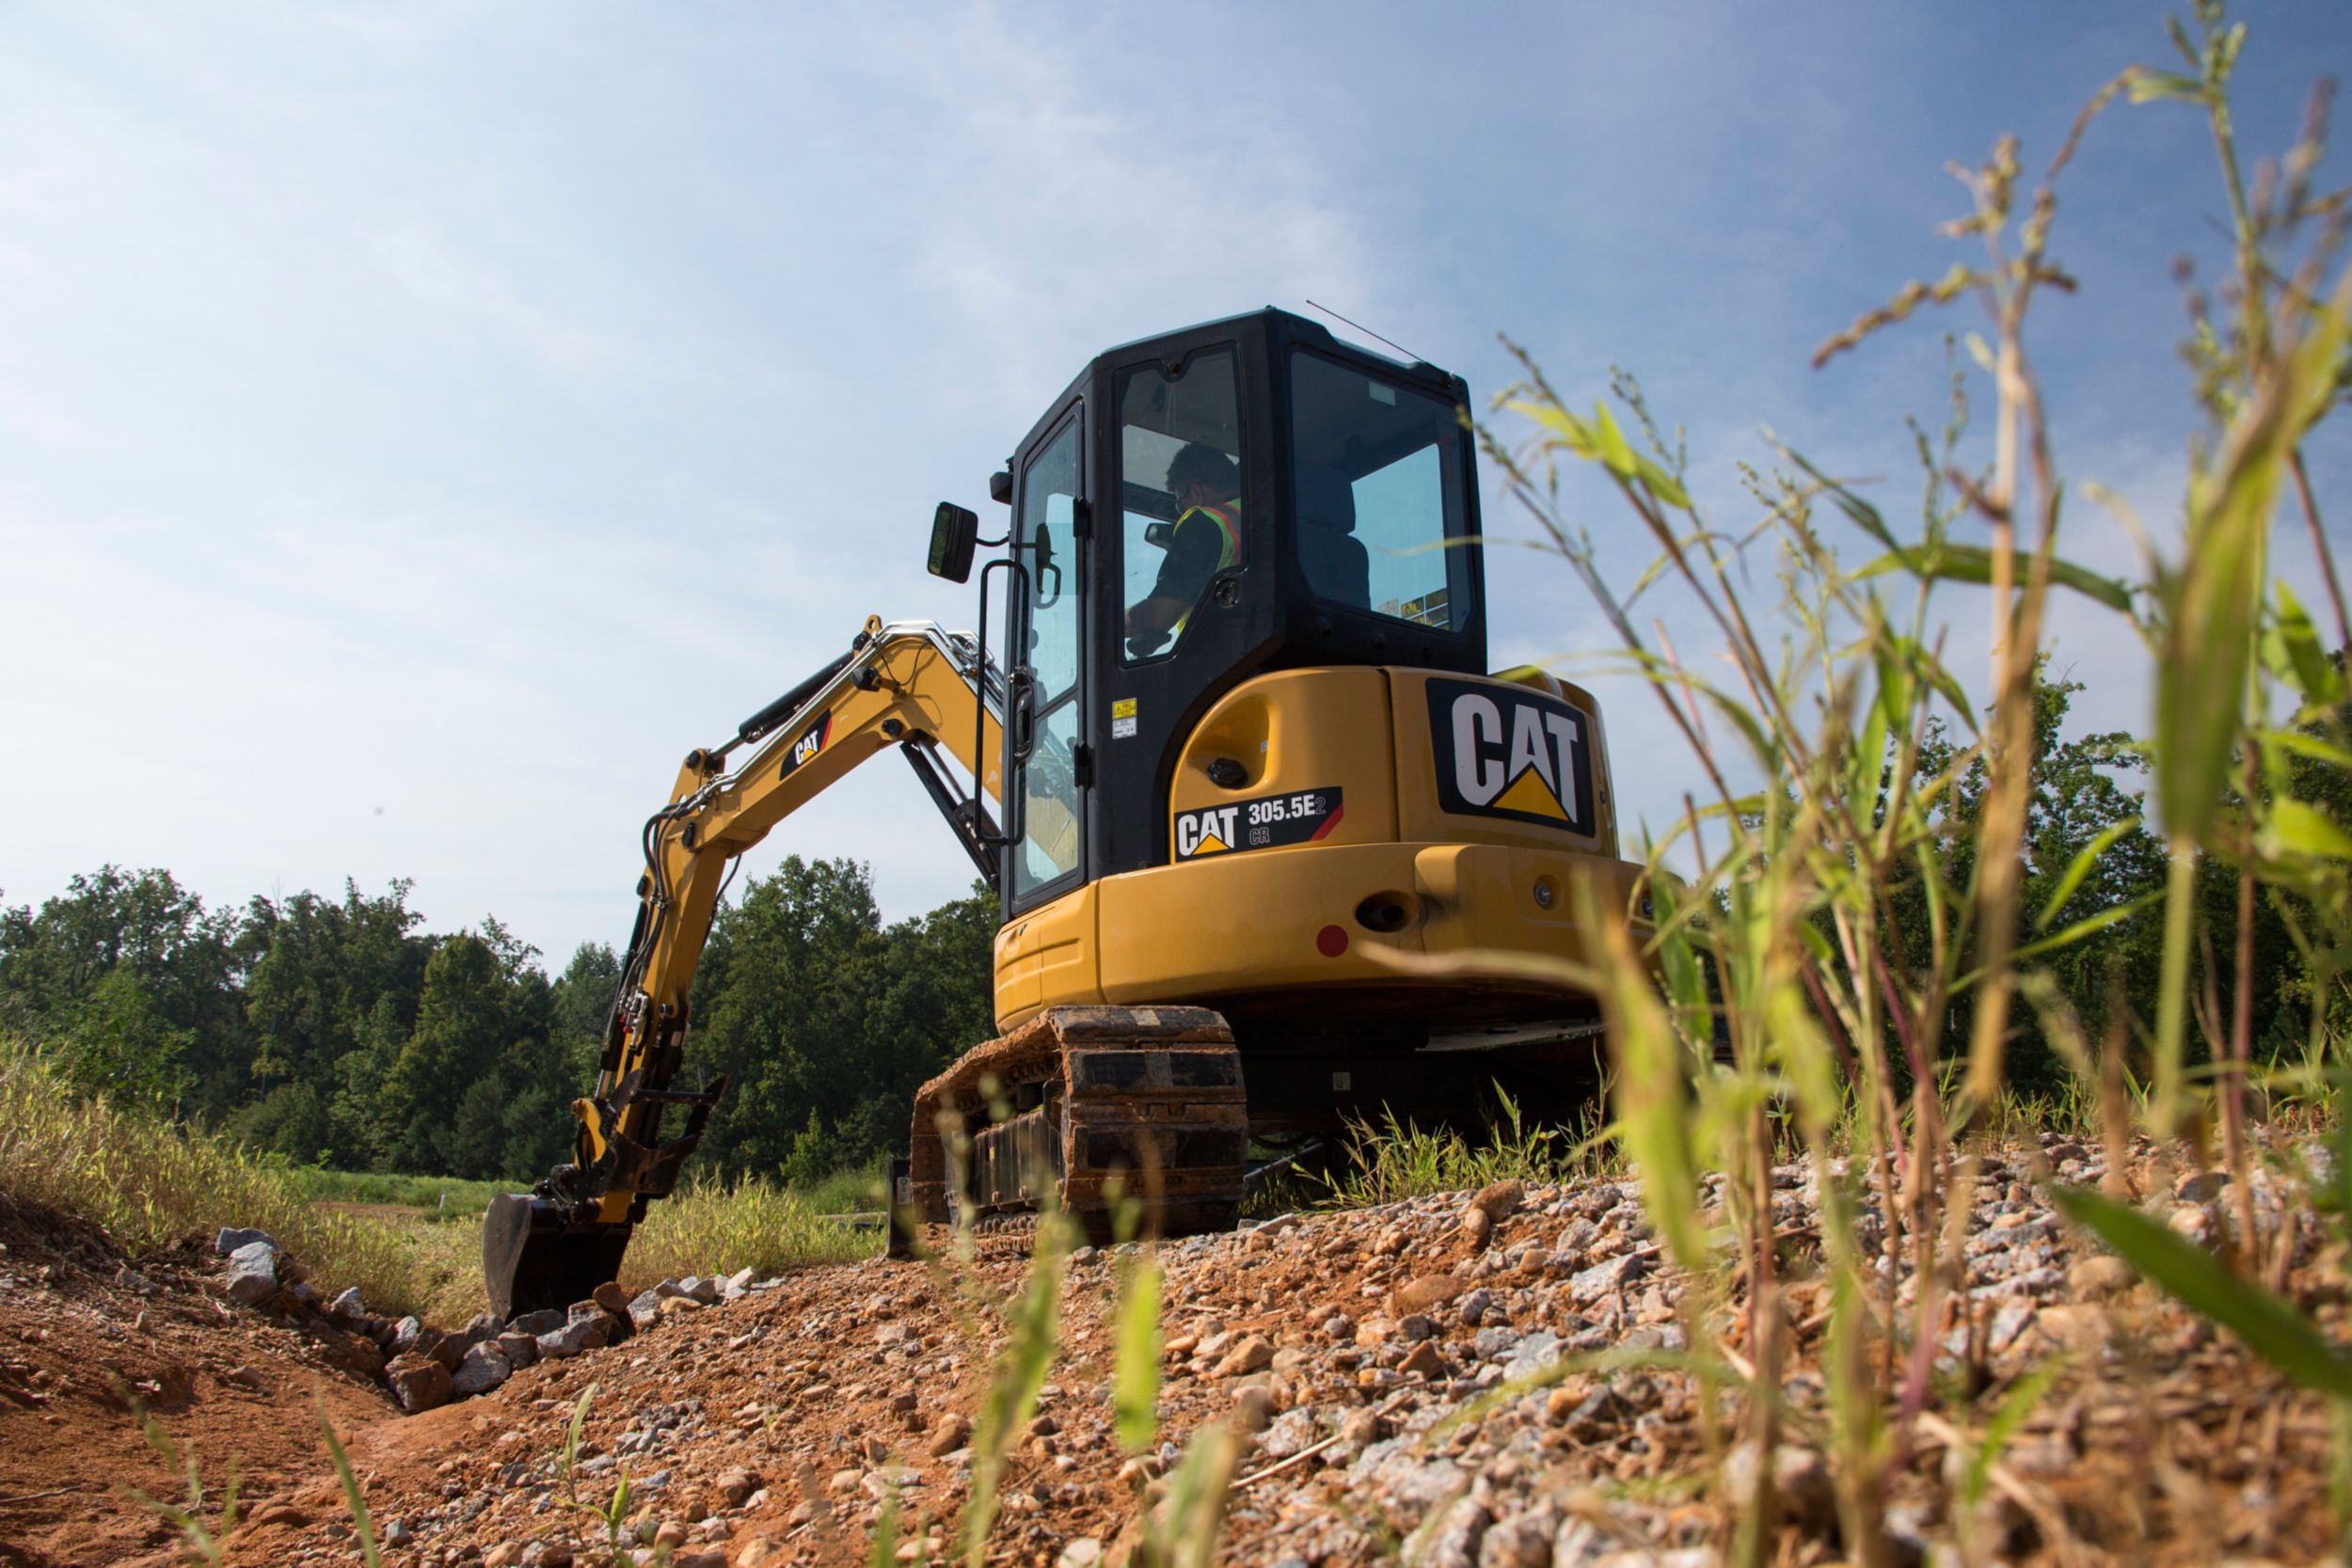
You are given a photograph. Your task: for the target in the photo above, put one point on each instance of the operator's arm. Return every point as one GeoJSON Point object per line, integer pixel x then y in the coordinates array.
{"type": "Point", "coordinates": [1184, 572]}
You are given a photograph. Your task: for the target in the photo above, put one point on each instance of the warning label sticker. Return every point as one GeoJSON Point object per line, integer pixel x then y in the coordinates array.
{"type": "Point", "coordinates": [1124, 718]}
{"type": "Point", "coordinates": [1268, 822]}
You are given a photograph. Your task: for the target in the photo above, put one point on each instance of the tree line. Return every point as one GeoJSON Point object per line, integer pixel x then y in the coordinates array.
{"type": "Point", "coordinates": [340, 1032]}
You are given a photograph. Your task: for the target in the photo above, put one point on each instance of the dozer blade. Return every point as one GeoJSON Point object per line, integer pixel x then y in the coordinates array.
{"type": "Point", "coordinates": [531, 1260]}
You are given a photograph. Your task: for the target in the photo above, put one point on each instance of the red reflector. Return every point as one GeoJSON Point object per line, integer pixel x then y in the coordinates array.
{"type": "Point", "coordinates": [1331, 941]}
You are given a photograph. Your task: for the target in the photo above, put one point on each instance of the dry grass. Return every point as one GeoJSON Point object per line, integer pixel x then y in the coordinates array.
{"type": "Point", "coordinates": [149, 1183]}
{"type": "Point", "coordinates": [717, 1227]}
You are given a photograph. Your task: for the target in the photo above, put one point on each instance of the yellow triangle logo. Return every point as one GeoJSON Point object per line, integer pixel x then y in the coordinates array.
{"type": "Point", "coordinates": [1210, 844]}
{"type": "Point", "coordinates": [1528, 793]}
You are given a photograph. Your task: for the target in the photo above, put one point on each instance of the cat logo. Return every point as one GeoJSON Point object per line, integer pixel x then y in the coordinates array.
{"type": "Point", "coordinates": [1205, 832]}
{"type": "Point", "coordinates": [811, 741]}
{"type": "Point", "coordinates": [1508, 752]}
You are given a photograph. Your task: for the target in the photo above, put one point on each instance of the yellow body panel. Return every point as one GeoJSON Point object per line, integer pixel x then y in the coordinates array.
{"type": "Point", "coordinates": [1230, 927]}
{"type": "Point", "coordinates": [1048, 958]}
{"type": "Point", "coordinates": [1298, 730]}
{"type": "Point", "coordinates": [1232, 923]}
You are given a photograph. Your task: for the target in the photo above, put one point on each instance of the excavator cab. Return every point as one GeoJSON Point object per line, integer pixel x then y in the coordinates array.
{"type": "Point", "coordinates": [1195, 510]}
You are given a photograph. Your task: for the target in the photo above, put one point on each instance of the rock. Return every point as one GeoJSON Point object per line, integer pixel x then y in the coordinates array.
{"type": "Point", "coordinates": [483, 1368]}
{"type": "Point", "coordinates": [2192, 1220]}
{"type": "Point", "coordinates": [522, 1349]}
{"type": "Point", "coordinates": [611, 1297]}
{"type": "Point", "coordinates": [736, 1284]}
{"type": "Point", "coordinates": [1429, 1292]}
{"type": "Point", "coordinates": [1253, 1407]}
{"type": "Point", "coordinates": [701, 1289]}
{"type": "Point", "coordinates": [1580, 1543]}
{"type": "Point", "coordinates": [2201, 1186]}
{"type": "Point", "coordinates": [397, 1533]}
{"type": "Point", "coordinates": [2102, 1275]}
{"type": "Point", "coordinates": [479, 1329]}
{"type": "Point", "coordinates": [2072, 1325]}
{"type": "Point", "coordinates": [1452, 1538]}
{"type": "Point", "coordinates": [670, 1537]}
{"type": "Point", "coordinates": [1801, 1484]}
{"type": "Point", "coordinates": [679, 1307]}
{"type": "Point", "coordinates": [1534, 1354]}
{"type": "Point", "coordinates": [758, 1552]}
{"type": "Point", "coordinates": [736, 1485]}
{"type": "Point", "coordinates": [1499, 1200]}
{"type": "Point", "coordinates": [417, 1382]}
{"type": "Point", "coordinates": [1425, 1359]}
{"type": "Point", "coordinates": [1253, 1352]}
{"type": "Point", "coordinates": [247, 1377]}
{"type": "Point", "coordinates": [448, 1349]}
{"type": "Point", "coordinates": [1604, 1279]}
{"type": "Point", "coordinates": [544, 1554]}
{"type": "Point", "coordinates": [1084, 1552]}
{"type": "Point", "coordinates": [1476, 1227]}
{"type": "Point", "coordinates": [404, 1333]}
{"type": "Point", "coordinates": [1415, 1326]}
{"type": "Point", "coordinates": [231, 1237]}
{"type": "Point", "coordinates": [577, 1338]}
{"type": "Point", "coordinates": [502, 1555]}
{"type": "Point", "coordinates": [1522, 1541]}
{"type": "Point", "coordinates": [1289, 1432]}
{"type": "Point", "coordinates": [545, 1321]}
{"type": "Point", "coordinates": [646, 1310]}
{"type": "Point", "coordinates": [253, 1273]}
{"type": "Point", "coordinates": [951, 1432]}
{"type": "Point", "coordinates": [353, 1352]}
{"type": "Point", "coordinates": [347, 1310]}
{"type": "Point", "coordinates": [1339, 1326]}
{"type": "Point", "coordinates": [1476, 1307]}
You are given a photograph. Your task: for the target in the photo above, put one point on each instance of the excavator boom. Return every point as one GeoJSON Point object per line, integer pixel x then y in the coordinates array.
{"type": "Point", "coordinates": [929, 694]}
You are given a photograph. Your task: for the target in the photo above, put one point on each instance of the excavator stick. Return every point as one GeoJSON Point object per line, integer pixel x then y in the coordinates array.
{"type": "Point", "coordinates": [534, 1257]}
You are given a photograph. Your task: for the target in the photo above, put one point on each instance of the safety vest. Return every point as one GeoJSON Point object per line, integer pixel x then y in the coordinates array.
{"type": "Point", "coordinates": [1226, 516]}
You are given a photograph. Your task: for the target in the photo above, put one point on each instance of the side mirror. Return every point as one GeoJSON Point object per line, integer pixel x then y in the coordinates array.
{"type": "Point", "coordinates": [954, 530]}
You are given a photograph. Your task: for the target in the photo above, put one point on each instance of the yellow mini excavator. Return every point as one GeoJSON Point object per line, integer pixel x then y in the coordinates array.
{"type": "Point", "coordinates": [1233, 745]}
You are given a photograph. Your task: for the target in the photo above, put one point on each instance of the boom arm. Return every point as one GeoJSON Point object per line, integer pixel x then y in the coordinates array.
{"type": "Point", "coordinates": [908, 685]}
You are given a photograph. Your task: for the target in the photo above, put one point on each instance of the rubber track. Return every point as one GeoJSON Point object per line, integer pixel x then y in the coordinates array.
{"type": "Point", "coordinates": [1151, 1101]}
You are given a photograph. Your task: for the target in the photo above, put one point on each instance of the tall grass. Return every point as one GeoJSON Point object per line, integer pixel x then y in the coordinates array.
{"type": "Point", "coordinates": [437, 1198]}
{"type": "Point", "coordinates": [149, 1183]}
{"type": "Point", "coordinates": [1824, 693]}
{"type": "Point", "coordinates": [714, 1226]}
{"type": "Point", "coordinates": [1394, 1160]}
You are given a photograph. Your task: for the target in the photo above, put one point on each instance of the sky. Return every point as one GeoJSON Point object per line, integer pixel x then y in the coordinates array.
{"type": "Point", "coordinates": [422, 424]}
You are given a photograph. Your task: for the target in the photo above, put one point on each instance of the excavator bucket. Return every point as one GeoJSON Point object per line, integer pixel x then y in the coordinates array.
{"type": "Point", "coordinates": [532, 1258]}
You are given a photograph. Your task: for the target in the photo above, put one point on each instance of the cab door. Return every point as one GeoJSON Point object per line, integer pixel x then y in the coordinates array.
{"type": "Point", "coordinates": [1046, 768]}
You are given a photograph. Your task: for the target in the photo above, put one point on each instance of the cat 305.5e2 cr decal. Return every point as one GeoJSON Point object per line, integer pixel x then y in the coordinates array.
{"type": "Point", "coordinates": [1268, 822]}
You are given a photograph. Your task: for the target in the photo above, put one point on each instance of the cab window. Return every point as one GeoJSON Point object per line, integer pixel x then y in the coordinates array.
{"type": "Point", "coordinates": [1378, 472]}
{"type": "Point", "coordinates": [1180, 484]}
{"type": "Point", "coordinates": [1046, 638]}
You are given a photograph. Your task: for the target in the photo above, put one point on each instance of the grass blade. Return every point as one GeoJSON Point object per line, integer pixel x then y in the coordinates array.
{"type": "Point", "coordinates": [361, 1521]}
{"type": "Point", "coordinates": [2270, 1325]}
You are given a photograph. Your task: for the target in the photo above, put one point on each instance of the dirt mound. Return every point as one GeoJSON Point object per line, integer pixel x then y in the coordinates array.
{"type": "Point", "coordinates": [1417, 1381]}
{"type": "Point", "coordinates": [86, 1337]}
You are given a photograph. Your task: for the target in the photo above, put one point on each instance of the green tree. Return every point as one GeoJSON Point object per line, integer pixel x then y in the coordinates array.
{"type": "Point", "coordinates": [132, 965]}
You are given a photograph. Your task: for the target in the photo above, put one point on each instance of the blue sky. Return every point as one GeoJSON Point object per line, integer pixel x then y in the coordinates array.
{"type": "Point", "coordinates": [419, 425]}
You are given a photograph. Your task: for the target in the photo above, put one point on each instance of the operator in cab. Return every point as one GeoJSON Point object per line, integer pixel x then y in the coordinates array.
{"type": "Point", "coordinates": [1205, 541]}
